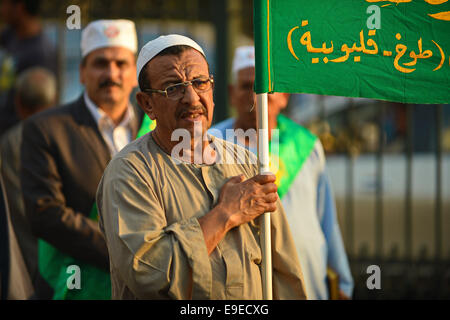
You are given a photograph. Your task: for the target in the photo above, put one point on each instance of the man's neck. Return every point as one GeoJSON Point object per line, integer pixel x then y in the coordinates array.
{"type": "Point", "coordinates": [115, 112]}
{"type": "Point", "coordinates": [242, 124]}
{"type": "Point", "coordinates": [198, 152]}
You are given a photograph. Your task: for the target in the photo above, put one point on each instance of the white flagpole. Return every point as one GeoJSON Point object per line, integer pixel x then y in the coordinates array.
{"type": "Point", "coordinates": [263, 159]}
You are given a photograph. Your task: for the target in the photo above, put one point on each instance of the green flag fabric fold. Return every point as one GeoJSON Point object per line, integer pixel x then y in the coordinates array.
{"type": "Point", "coordinates": [395, 50]}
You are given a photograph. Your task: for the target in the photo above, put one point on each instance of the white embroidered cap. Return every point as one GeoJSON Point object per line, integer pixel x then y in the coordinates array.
{"type": "Point", "coordinates": [152, 48]}
{"type": "Point", "coordinates": [244, 57]}
{"type": "Point", "coordinates": [108, 33]}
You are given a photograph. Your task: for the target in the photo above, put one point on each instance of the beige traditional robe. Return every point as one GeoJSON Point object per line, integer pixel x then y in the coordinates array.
{"type": "Point", "coordinates": [149, 204]}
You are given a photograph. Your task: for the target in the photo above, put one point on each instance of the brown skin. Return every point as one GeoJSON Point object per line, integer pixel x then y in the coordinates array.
{"type": "Point", "coordinates": [169, 114]}
{"type": "Point", "coordinates": [240, 200]}
{"type": "Point", "coordinates": [343, 296]}
{"type": "Point", "coordinates": [243, 97]}
{"type": "Point", "coordinates": [109, 76]}
{"type": "Point", "coordinates": [15, 14]}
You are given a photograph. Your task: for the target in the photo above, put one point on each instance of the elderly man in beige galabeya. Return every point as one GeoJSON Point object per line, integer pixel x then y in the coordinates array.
{"type": "Point", "coordinates": [182, 229]}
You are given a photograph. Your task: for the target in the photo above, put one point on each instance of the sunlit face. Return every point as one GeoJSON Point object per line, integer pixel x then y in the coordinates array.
{"type": "Point", "coordinates": [243, 98]}
{"type": "Point", "coordinates": [191, 108]}
{"type": "Point", "coordinates": [109, 75]}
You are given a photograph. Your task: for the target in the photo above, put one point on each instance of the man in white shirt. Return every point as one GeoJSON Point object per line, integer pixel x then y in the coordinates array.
{"type": "Point", "coordinates": [299, 163]}
{"type": "Point", "coordinates": [64, 153]}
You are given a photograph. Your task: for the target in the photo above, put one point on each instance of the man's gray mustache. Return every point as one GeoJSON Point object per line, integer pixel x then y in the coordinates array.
{"type": "Point", "coordinates": [192, 109]}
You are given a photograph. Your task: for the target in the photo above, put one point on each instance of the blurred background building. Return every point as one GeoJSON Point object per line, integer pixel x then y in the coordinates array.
{"type": "Point", "coordinates": [389, 163]}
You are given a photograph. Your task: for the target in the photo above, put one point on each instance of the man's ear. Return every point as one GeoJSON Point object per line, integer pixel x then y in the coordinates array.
{"type": "Point", "coordinates": [81, 71]}
{"type": "Point", "coordinates": [144, 101]}
{"type": "Point", "coordinates": [135, 82]}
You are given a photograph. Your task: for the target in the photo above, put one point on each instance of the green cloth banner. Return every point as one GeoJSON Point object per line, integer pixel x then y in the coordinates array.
{"type": "Point", "coordinates": [54, 267]}
{"type": "Point", "coordinates": [395, 50]}
{"type": "Point", "coordinates": [290, 158]}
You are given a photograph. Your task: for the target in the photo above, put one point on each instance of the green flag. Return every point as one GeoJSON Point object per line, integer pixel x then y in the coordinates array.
{"type": "Point", "coordinates": [395, 50]}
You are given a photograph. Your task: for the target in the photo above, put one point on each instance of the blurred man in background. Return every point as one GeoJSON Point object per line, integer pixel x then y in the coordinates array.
{"type": "Point", "coordinates": [303, 184]}
{"type": "Point", "coordinates": [64, 153]}
{"type": "Point", "coordinates": [35, 91]}
{"type": "Point", "coordinates": [22, 45]}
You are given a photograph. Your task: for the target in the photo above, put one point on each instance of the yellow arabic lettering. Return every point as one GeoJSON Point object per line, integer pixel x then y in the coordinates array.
{"type": "Point", "coordinates": [442, 57]}
{"type": "Point", "coordinates": [289, 42]}
{"type": "Point", "coordinates": [441, 15]}
{"type": "Point", "coordinates": [347, 51]}
{"type": "Point", "coordinates": [393, 1]}
{"type": "Point", "coordinates": [422, 55]}
{"type": "Point", "coordinates": [445, 15]}
{"type": "Point", "coordinates": [361, 48]}
{"type": "Point", "coordinates": [371, 42]}
{"type": "Point", "coordinates": [306, 41]}
{"type": "Point", "coordinates": [400, 49]}
{"type": "Point", "coordinates": [434, 2]}
{"type": "Point", "coordinates": [367, 47]}
{"type": "Point", "coordinates": [326, 50]}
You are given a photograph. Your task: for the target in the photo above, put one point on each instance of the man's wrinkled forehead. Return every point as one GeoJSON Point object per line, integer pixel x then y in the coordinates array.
{"type": "Point", "coordinates": [186, 63]}
{"type": "Point", "coordinates": [118, 54]}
